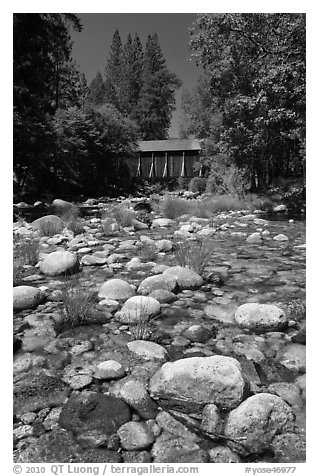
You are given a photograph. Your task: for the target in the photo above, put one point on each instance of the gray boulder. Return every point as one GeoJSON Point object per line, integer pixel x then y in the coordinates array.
{"type": "Point", "coordinates": [195, 382]}
{"type": "Point", "coordinates": [26, 297]}
{"type": "Point", "coordinates": [59, 262]}
{"type": "Point", "coordinates": [116, 289]}
{"type": "Point", "coordinates": [186, 278]}
{"type": "Point", "coordinates": [135, 436]}
{"type": "Point", "coordinates": [159, 281]}
{"type": "Point", "coordinates": [138, 308]}
{"type": "Point", "coordinates": [51, 223]}
{"type": "Point", "coordinates": [256, 421]}
{"type": "Point", "coordinates": [263, 317]}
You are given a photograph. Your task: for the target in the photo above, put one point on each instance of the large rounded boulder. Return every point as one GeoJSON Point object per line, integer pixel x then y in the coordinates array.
{"type": "Point", "coordinates": [186, 278]}
{"type": "Point", "coordinates": [159, 281]}
{"type": "Point", "coordinates": [117, 289]}
{"type": "Point", "coordinates": [195, 382]}
{"type": "Point", "coordinates": [256, 421]}
{"type": "Point", "coordinates": [26, 297]}
{"type": "Point", "coordinates": [260, 317]}
{"type": "Point", "coordinates": [49, 224]}
{"type": "Point", "coordinates": [138, 308]}
{"type": "Point", "coordinates": [59, 263]}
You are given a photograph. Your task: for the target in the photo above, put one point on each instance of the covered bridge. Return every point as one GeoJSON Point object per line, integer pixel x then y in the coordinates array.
{"type": "Point", "coordinates": [165, 158]}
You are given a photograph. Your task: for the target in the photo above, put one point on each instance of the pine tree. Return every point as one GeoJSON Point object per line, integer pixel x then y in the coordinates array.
{"type": "Point", "coordinates": [132, 75]}
{"type": "Point", "coordinates": [96, 94]}
{"type": "Point", "coordinates": [114, 72]}
{"type": "Point", "coordinates": [157, 99]}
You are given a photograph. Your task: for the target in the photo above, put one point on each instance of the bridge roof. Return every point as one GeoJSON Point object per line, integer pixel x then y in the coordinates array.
{"type": "Point", "coordinates": [168, 145]}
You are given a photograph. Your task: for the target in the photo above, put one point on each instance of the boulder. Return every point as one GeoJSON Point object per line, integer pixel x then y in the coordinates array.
{"type": "Point", "coordinates": [94, 411]}
{"type": "Point", "coordinates": [138, 308]}
{"type": "Point", "coordinates": [169, 448]}
{"type": "Point", "coordinates": [135, 436]}
{"type": "Point", "coordinates": [57, 445]}
{"type": "Point", "coordinates": [59, 263]}
{"type": "Point", "coordinates": [294, 357]}
{"type": "Point", "coordinates": [51, 223]}
{"type": "Point", "coordinates": [159, 281]}
{"type": "Point", "coordinates": [148, 350]}
{"type": "Point", "coordinates": [223, 454]}
{"type": "Point", "coordinates": [136, 396]}
{"type": "Point", "coordinates": [109, 370]}
{"type": "Point", "coordinates": [254, 238]}
{"type": "Point", "coordinates": [164, 246]}
{"type": "Point", "coordinates": [26, 297]}
{"type": "Point", "coordinates": [261, 317]}
{"type": "Point", "coordinates": [116, 289]}
{"type": "Point", "coordinates": [35, 392]}
{"type": "Point", "coordinates": [186, 278]}
{"type": "Point", "coordinates": [62, 207]}
{"type": "Point", "coordinates": [95, 259]}
{"type": "Point", "coordinates": [194, 382]}
{"type": "Point", "coordinates": [256, 421]}
{"type": "Point", "coordinates": [281, 237]}
{"type": "Point", "coordinates": [163, 296]}
{"type": "Point", "coordinates": [289, 447]}
{"type": "Point", "coordinates": [162, 223]}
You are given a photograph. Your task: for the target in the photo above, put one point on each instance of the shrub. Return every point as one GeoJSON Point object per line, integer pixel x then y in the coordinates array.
{"type": "Point", "coordinates": [76, 305]}
{"type": "Point", "coordinates": [173, 207]}
{"type": "Point", "coordinates": [26, 251]}
{"type": "Point", "coordinates": [227, 179]}
{"type": "Point", "coordinates": [123, 216]}
{"type": "Point", "coordinates": [49, 228]}
{"type": "Point", "coordinates": [18, 273]}
{"type": "Point", "coordinates": [210, 206]}
{"type": "Point", "coordinates": [141, 330]}
{"type": "Point", "coordinates": [75, 226]}
{"type": "Point", "coordinates": [183, 183]}
{"type": "Point", "coordinates": [193, 254]}
{"type": "Point", "coordinates": [260, 203]}
{"type": "Point", "coordinates": [197, 184]}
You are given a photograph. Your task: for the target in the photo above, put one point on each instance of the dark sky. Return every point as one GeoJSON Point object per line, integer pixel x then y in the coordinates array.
{"type": "Point", "coordinates": [91, 46]}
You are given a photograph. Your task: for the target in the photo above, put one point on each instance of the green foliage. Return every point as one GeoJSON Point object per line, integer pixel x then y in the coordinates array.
{"type": "Point", "coordinates": [90, 141]}
{"type": "Point", "coordinates": [96, 94]}
{"type": "Point", "coordinates": [195, 255]}
{"type": "Point", "coordinates": [226, 178]}
{"type": "Point", "coordinates": [76, 306]}
{"type": "Point", "coordinates": [45, 78]}
{"type": "Point", "coordinates": [173, 207]}
{"type": "Point", "coordinates": [157, 94]}
{"type": "Point", "coordinates": [197, 184]}
{"type": "Point", "coordinates": [250, 102]}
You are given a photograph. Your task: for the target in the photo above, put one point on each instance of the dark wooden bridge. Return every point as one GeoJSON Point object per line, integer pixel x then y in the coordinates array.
{"type": "Point", "coordinates": [164, 158]}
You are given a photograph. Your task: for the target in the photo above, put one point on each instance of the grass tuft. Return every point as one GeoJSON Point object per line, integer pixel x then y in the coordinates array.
{"type": "Point", "coordinates": [173, 207]}
{"type": "Point", "coordinates": [194, 255]}
{"type": "Point", "coordinates": [76, 306]}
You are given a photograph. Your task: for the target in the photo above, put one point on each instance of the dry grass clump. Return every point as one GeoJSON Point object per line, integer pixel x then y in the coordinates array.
{"type": "Point", "coordinates": [173, 207]}
{"type": "Point", "coordinates": [141, 330]}
{"type": "Point", "coordinates": [124, 216]}
{"type": "Point", "coordinates": [76, 306]}
{"type": "Point", "coordinates": [25, 252]}
{"type": "Point", "coordinates": [50, 228]}
{"type": "Point", "coordinates": [194, 255]}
